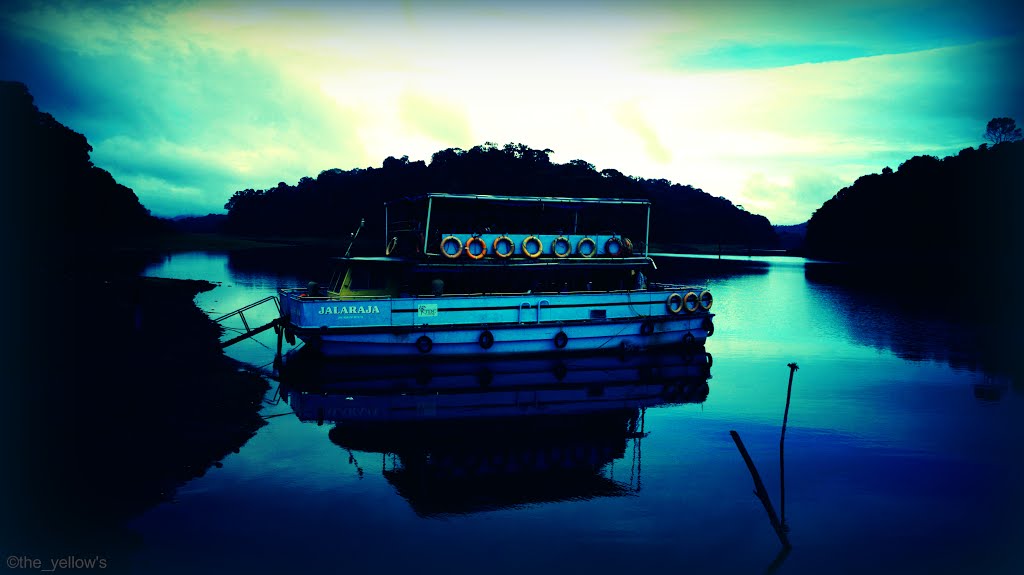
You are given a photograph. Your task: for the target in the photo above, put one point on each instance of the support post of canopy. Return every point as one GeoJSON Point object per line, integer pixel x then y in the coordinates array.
{"type": "Point", "coordinates": [426, 233]}
{"type": "Point", "coordinates": [647, 233]}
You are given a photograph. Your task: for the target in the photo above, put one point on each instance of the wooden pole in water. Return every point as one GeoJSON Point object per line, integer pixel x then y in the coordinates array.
{"type": "Point", "coordinates": [782, 441]}
{"type": "Point", "coordinates": [777, 562]}
{"type": "Point", "coordinates": [279, 328]}
{"type": "Point", "coordinates": [760, 491]}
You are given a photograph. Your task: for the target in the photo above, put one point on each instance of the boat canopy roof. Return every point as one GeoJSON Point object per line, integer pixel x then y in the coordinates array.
{"type": "Point", "coordinates": [524, 200]}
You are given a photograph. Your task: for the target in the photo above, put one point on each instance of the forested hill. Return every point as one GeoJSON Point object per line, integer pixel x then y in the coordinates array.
{"type": "Point", "coordinates": [332, 204]}
{"type": "Point", "coordinates": [960, 214]}
{"type": "Point", "coordinates": [55, 201]}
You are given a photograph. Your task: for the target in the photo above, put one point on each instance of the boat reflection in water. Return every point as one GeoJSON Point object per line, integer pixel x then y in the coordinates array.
{"type": "Point", "coordinates": [476, 436]}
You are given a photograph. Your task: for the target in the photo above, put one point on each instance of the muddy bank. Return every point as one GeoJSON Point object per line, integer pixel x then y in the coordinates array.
{"type": "Point", "coordinates": [121, 394]}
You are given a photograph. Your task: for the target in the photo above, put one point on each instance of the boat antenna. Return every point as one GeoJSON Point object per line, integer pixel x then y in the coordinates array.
{"type": "Point", "coordinates": [355, 234]}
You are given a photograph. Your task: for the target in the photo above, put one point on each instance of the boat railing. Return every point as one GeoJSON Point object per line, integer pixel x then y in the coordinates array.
{"type": "Point", "coordinates": [521, 306]}
{"type": "Point", "coordinates": [241, 311]}
{"type": "Point", "coordinates": [663, 286]}
{"type": "Point", "coordinates": [539, 304]}
{"type": "Point", "coordinates": [300, 293]}
{"type": "Point", "coordinates": [250, 331]}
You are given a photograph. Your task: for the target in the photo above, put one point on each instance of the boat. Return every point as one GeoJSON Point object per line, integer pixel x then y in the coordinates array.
{"type": "Point", "coordinates": [465, 275]}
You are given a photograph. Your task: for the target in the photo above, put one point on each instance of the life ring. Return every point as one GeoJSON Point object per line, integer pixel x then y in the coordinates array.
{"type": "Point", "coordinates": [561, 241]}
{"type": "Point", "coordinates": [536, 241]}
{"type": "Point", "coordinates": [690, 302]}
{"type": "Point", "coordinates": [674, 303]}
{"type": "Point", "coordinates": [473, 241]}
{"type": "Point", "coordinates": [627, 246]}
{"type": "Point", "coordinates": [706, 300]}
{"type": "Point", "coordinates": [451, 241]}
{"type": "Point", "coordinates": [647, 327]}
{"type": "Point", "coordinates": [390, 248]}
{"type": "Point", "coordinates": [591, 250]}
{"type": "Point", "coordinates": [506, 241]}
{"type": "Point", "coordinates": [561, 340]}
{"type": "Point", "coordinates": [709, 326]}
{"type": "Point", "coordinates": [424, 344]}
{"type": "Point", "coordinates": [711, 360]}
{"type": "Point", "coordinates": [616, 243]}
{"type": "Point", "coordinates": [486, 339]}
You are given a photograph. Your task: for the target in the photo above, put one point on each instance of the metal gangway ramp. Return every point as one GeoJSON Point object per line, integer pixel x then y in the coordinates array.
{"type": "Point", "coordinates": [250, 331]}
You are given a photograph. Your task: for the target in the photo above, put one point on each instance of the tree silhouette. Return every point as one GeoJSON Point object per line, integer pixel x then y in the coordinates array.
{"type": "Point", "coordinates": [336, 200]}
{"type": "Point", "coordinates": [1002, 130]}
{"type": "Point", "coordinates": [53, 199]}
{"type": "Point", "coordinates": [916, 219]}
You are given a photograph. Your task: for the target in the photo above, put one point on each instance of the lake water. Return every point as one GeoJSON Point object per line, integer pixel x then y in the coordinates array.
{"type": "Point", "coordinates": [902, 452]}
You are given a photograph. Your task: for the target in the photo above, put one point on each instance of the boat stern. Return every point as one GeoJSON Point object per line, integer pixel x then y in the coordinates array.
{"type": "Point", "coordinates": [306, 311]}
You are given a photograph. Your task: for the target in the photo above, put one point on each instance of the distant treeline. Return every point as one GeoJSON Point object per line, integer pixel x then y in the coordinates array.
{"type": "Point", "coordinates": [960, 214]}
{"type": "Point", "coordinates": [791, 238]}
{"type": "Point", "coordinates": [332, 204]}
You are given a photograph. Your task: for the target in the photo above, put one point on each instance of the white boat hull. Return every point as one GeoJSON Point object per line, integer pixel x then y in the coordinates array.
{"type": "Point", "coordinates": [480, 325]}
{"type": "Point", "coordinates": [459, 341]}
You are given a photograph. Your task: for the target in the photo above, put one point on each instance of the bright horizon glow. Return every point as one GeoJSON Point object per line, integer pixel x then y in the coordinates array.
{"type": "Point", "coordinates": [773, 106]}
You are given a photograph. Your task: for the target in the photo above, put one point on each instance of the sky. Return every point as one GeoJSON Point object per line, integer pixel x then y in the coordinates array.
{"type": "Point", "coordinates": [773, 105]}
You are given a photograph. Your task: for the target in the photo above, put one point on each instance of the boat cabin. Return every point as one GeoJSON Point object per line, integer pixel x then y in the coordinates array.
{"type": "Point", "coordinates": [400, 277]}
{"type": "Point", "coordinates": [502, 245]}
{"type": "Point", "coordinates": [585, 227]}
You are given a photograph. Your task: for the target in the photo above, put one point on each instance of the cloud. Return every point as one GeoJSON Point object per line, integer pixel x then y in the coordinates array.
{"type": "Point", "coordinates": [173, 114]}
{"type": "Point", "coordinates": [789, 201]}
{"type": "Point", "coordinates": [199, 174]}
{"type": "Point", "coordinates": [433, 118]}
{"type": "Point", "coordinates": [743, 100]}
{"type": "Point", "coordinates": [717, 35]}
{"type": "Point", "coordinates": [745, 56]}
{"type": "Point", "coordinates": [165, 199]}
{"type": "Point", "coordinates": [633, 120]}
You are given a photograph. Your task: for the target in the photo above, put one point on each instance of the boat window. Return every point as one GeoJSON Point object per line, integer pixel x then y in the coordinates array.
{"type": "Point", "coordinates": [598, 314]}
{"type": "Point", "coordinates": [337, 276]}
{"type": "Point", "coordinates": [367, 279]}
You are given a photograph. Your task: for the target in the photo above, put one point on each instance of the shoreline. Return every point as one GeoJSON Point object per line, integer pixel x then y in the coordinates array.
{"type": "Point", "coordinates": [141, 403]}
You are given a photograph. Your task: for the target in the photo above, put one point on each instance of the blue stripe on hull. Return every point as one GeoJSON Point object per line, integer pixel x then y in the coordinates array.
{"type": "Point", "coordinates": [513, 339]}
{"type": "Point", "coordinates": [478, 404]}
{"type": "Point", "coordinates": [500, 372]}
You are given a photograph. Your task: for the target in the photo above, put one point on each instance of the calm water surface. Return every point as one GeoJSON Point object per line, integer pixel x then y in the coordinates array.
{"type": "Point", "coordinates": [902, 454]}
